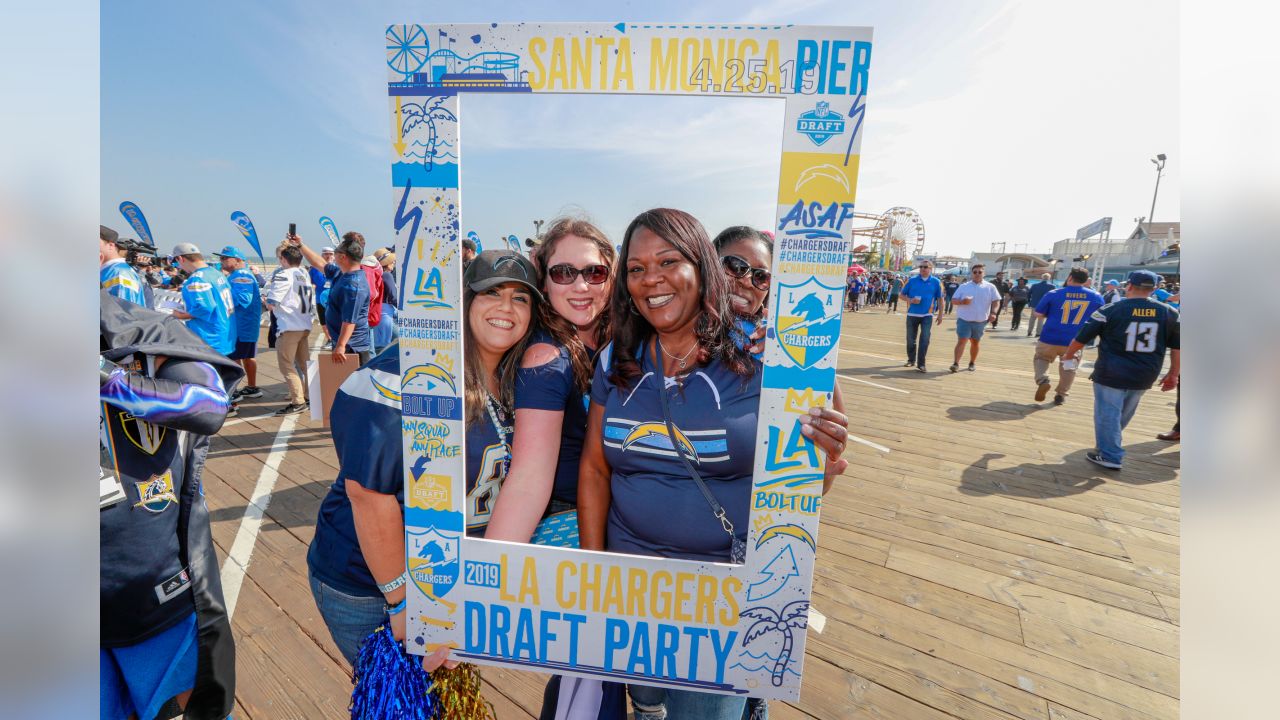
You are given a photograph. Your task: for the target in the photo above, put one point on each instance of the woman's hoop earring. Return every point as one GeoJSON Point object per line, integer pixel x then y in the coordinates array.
{"type": "Point", "coordinates": [631, 305]}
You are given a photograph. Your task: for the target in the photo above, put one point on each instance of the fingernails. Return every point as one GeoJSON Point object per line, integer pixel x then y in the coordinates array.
{"type": "Point", "coordinates": [815, 411]}
{"type": "Point", "coordinates": [805, 420]}
{"type": "Point", "coordinates": [806, 429]}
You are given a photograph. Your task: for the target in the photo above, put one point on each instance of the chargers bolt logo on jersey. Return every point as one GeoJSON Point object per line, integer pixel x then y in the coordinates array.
{"type": "Point", "coordinates": [156, 493]}
{"type": "Point", "coordinates": [651, 431]}
{"type": "Point", "coordinates": [652, 438]}
{"type": "Point", "coordinates": [807, 321]}
{"type": "Point", "coordinates": [821, 123]}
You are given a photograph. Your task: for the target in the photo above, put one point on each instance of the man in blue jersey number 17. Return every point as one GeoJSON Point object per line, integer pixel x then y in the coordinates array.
{"type": "Point", "coordinates": [1064, 311]}
{"type": "Point", "coordinates": [1133, 335]}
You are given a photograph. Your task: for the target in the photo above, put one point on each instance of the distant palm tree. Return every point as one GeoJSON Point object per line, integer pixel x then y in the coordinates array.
{"type": "Point", "coordinates": [794, 616]}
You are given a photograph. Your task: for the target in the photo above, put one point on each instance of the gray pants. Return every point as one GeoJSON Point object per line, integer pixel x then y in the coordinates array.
{"type": "Point", "coordinates": [1033, 327]}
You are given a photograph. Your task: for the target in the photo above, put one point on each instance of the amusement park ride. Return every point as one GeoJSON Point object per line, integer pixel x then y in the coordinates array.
{"type": "Point", "coordinates": [896, 235]}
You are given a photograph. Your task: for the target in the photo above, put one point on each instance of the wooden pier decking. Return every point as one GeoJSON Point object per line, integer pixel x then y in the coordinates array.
{"type": "Point", "coordinates": [972, 564]}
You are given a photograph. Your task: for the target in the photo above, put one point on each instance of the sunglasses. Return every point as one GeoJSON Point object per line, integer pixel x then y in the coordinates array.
{"type": "Point", "coordinates": [737, 267]}
{"type": "Point", "coordinates": [566, 274]}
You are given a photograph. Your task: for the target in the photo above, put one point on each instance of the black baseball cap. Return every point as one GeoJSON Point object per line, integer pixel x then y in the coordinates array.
{"type": "Point", "coordinates": [495, 267]}
{"type": "Point", "coordinates": [107, 234]}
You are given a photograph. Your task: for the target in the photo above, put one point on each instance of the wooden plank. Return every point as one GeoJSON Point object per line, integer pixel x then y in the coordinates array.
{"type": "Point", "coordinates": [1127, 662]}
{"type": "Point", "coordinates": [1008, 662]}
{"type": "Point", "coordinates": [832, 692]}
{"type": "Point", "coordinates": [937, 683]}
{"type": "Point", "coordinates": [938, 600]}
{"type": "Point", "coordinates": [1111, 622]}
{"type": "Point", "coordinates": [1065, 580]}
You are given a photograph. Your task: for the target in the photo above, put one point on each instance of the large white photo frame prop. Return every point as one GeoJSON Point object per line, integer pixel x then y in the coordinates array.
{"type": "Point", "coordinates": [714, 627]}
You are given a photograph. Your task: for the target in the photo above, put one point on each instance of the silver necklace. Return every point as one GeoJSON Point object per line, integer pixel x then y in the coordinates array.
{"type": "Point", "coordinates": [499, 428]}
{"type": "Point", "coordinates": [680, 360]}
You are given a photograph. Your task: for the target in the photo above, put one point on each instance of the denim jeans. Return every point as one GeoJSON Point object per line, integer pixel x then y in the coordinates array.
{"type": "Point", "coordinates": [652, 703]}
{"type": "Point", "coordinates": [924, 325]}
{"type": "Point", "coordinates": [350, 618]}
{"type": "Point", "coordinates": [1113, 408]}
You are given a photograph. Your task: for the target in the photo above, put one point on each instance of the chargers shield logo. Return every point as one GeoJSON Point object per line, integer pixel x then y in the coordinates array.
{"type": "Point", "coordinates": [807, 321]}
{"type": "Point", "coordinates": [433, 560]}
{"type": "Point", "coordinates": [156, 494]}
{"type": "Point", "coordinates": [821, 123]}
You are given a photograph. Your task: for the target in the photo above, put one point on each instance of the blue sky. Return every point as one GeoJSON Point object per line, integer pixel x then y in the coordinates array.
{"type": "Point", "coordinates": [997, 121]}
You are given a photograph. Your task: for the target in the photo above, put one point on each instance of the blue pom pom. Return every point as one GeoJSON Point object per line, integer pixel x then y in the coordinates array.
{"type": "Point", "coordinates": [390, 683]}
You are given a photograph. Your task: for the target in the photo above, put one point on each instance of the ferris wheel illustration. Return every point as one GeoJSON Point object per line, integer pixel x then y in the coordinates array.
{"type": "Point", "coordinates": [407, 49]}
{"type": "Point", "coordinates": [903, 237]}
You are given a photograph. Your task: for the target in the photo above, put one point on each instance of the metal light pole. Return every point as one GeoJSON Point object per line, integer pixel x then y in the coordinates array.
{"type": "Point", "coordinates": [537, 227]}
{"type": "Point", "coordinates": [1158, 161]}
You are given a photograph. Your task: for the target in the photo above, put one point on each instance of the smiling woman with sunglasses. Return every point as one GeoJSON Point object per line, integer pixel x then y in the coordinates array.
{"type": "Point", "coordinates": [574, 263]}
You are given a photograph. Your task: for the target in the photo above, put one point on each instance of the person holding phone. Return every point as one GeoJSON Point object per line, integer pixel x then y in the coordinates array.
{"type": "Point", "coordinates": [347, 313]}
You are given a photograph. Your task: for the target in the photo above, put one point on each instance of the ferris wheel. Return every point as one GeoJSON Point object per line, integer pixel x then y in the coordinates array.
{"type": "Point", "coordinates": [407, 49]}
{"type": "Point", "coordinates": [903, 237]}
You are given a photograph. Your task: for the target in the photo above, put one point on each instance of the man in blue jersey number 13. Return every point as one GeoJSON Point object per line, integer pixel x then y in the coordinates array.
{"type": "Point", "coordinates": [1133, 335]}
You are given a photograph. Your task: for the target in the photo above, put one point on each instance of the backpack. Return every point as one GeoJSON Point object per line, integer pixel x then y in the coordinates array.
{"type": "Point", "coordinates": [374, 276]}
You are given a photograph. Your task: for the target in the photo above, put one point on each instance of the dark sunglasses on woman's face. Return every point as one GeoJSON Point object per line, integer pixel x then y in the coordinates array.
{"type": "Point", "coordinates": [739, 268]}
{"type": "Point", "coordinates": [566, 274]}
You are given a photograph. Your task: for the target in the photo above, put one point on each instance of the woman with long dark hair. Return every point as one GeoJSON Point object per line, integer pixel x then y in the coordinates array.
{"type": "Point", "coordinates": [674, 358]}
{"type": "Point", "coordinates": [575, 263]}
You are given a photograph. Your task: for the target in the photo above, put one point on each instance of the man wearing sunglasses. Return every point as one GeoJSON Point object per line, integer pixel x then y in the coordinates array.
{"type": "Point", "coordinates": [976, 302]}
{"type": "Point", "coordinates": [924, 309]}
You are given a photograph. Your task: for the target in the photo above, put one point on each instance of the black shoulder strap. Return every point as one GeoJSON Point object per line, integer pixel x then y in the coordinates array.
{"type": "Point", "coordinates": [737, 547]}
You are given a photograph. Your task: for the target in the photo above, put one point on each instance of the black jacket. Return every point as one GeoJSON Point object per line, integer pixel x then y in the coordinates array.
{"type": "Point", "coordinates": [157, 560]}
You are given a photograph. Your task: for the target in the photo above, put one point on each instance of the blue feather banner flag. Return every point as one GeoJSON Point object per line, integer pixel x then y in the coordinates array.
{"type": "Point", "coordinates": [245, 226]}
{"type": "Point", "coordinates": [134, 215]}
{"type": "Point", "coordinates": [330, 230]}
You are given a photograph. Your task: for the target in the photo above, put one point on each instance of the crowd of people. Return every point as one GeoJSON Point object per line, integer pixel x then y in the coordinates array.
{"type": "Point", "coordinates": [1132, 327]}
{"type": "Point", "coordinates": [563, 348]}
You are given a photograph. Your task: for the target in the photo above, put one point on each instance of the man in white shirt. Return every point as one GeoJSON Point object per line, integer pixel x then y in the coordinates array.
{"type": "Point", "coordinates": [291, 296]}
{"type": "Point", "coordinates": [976, 303]}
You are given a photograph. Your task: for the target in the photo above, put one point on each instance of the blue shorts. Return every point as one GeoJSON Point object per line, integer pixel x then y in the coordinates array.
{"type": "Point", "coordinates": [245, 349]}
{"type": "Point", "coordinates": [140, 679]}
{"type": "Point", "coordinates": [970, 329]}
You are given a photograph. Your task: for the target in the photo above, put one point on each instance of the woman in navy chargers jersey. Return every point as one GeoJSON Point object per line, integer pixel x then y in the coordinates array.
{"type": "Point", "coordinates": [674, 336]}
{"type": "Point", "coordinates": [357, 557]}
{"type": "Point", "coordinates": [575, 264]}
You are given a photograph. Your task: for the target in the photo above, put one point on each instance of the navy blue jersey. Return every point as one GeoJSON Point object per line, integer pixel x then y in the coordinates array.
{"type": "Point", "coordinates": [551, 387]}
{"type": "Point", "coordinates": [657, 508]}
{"type": "Point", "coordinates": [1134, 334]}
{"type": "Point", "coordinates": [348, 302]}
{"type": "Point", "coordinates": [366, 427]}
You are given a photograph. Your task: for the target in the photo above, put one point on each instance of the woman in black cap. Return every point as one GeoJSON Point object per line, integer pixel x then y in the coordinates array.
{"type": "Point", "coordinates": [357, 558]}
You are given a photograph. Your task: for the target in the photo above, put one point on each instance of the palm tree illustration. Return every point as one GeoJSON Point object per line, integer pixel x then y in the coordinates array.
{"type": "Point", "coordinates": [794, 616]}
{"type": "Point", "coordinates": [427, 113]}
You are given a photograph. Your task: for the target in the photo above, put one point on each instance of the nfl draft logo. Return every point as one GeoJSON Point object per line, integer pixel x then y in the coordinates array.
{"type": "Point", "coordinates": [807, 321]}
{"type": "Point", "coordinates": [433, 561]}
{"type": "Point", "coordinates": [821, 123]}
